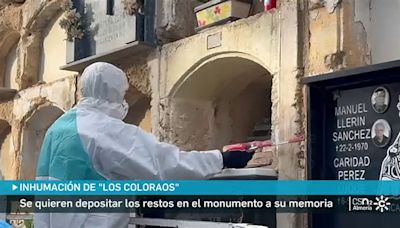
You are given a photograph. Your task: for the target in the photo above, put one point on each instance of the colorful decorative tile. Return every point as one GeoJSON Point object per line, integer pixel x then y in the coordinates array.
{"type": "Point", "coordinates": [214, 14]}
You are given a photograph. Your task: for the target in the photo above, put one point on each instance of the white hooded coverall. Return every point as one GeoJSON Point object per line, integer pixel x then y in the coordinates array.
{"type": "Point", "coordinates": [91, 142]}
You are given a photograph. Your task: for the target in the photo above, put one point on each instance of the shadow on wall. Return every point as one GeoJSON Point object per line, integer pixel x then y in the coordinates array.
{"type": "Point", "coordinates": [139, 109]}
{"type": "Point", "coordinates": [53, 52]}
{"type": "Point", "coordinates": [10, 75]}
{"type": "Point", "coordinates": [8, 58]}
{"type": "Point", "coordinates": [32, 138]}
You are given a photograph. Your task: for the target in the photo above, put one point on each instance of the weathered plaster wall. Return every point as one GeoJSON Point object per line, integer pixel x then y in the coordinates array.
{"type": "Point", "coordinates": [6, 152]}
{"type": "Point", "coordinates": [11, 71]}
{"type": "Point", "coordinates": [25, 135]}
{"type": "Point", "coordinates": [146, 122]}
{"type": "Point", "coordinates": [34, 130]}
{"type": "Point", "coordinates": [278, 45]}
{"type": "Point", "coordinates": [289, 104]}
{"type": "Point", "coordinates": [325, 53]}
{"type": "Point", "coordinates": [185, 87]}
{"type": "Point", "coordinates": [153, 63]}
{"type": "Point", "coordinates": [216, 96]}
{"type": "Point", "coordinates": [25, 24]}
{"type": "Point", "coordinates": [9, 37]}
{"type": "Point", "coordinates": [356, 42]}
{"type": "Point", "coordinates": [140, 92]}
{"type": "Point", "coordinates": [60, 93]}
{"type": "Point", "coordinates": [355, 33]}
{"type": "Point", "coordinates": [53, 52]}
{"type": "Point", "coordinates": [235, 41]}
{"type": "Point", "coordinates": [139, 113]}
{"type": "Point", "coordinates": [7, 155]}
{"type": "Point", "coordinates": [250, 105]}
{"type": "Point", "coordinates": [385, 44]}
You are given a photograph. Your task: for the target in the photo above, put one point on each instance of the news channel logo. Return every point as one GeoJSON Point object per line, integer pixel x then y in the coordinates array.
{"type": "Point", "coordinates": [380, 204]}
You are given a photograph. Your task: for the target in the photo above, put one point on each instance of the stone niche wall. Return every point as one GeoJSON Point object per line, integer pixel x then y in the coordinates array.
{"type": "Point", "coordinates": [33, 43]}
{"type": "Point", "coordinates": [7, 150]}
{"type": "Point", "coordinates": [217, 96]}
{"type": "Point", "coordinates": [53, 52]}
{"type": "Point", "coordinates": [139, 113]}
{"type": "Point", "coordinates": [351, 33]}
{"type": "Point", "coordinates": [220, 104]}
{"type": "Point", "coordinates": [11, 73]}
{"type": "Point", "coordinates": [35, 109]}
{"type": "Point", "coordinates": [9, 59]}
{"type": "Point", "coordinates": [139, 94]}
{"type": "Point", "coordinates": [32, 138]}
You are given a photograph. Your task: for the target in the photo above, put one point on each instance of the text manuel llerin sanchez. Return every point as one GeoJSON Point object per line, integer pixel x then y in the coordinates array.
{"type": "Point", "coordinates": [93, 187]}
{"type": "Point", "coordinates": [348, 118]}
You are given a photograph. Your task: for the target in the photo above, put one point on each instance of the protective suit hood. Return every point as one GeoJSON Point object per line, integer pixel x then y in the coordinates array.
{"type": "Point", "coordinates": [103, 88]}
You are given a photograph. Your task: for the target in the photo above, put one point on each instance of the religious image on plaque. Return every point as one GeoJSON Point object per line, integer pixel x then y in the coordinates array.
{"type": "Point", "coordinates": [390, 169]}
{"type": "Point", "coordinates": [380, 100]}
{"type": "Point", "coordinates": [381, 133]}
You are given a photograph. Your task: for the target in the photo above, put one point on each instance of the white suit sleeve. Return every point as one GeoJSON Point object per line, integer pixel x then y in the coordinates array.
{"type": "Point", "coordinates": [125, 151]}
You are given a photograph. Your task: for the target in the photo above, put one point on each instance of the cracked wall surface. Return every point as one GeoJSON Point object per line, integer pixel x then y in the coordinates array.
{"type": "Point", "coordinates": [34, 130]}
{"type": "Point", "coordinates": [33, 46]}
{"type": "Point", "coordinates": [208, 92]}
{"type": "Point", "coordinates": [27, 105]}
{"type": "Point", "coordinates": [355, 33]}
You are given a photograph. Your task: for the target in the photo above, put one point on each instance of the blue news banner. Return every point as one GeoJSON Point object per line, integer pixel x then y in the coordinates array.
{"type": "Point", "coordinates": [200, 196]}
{"type": "Point", "coordinates": [223, 187]}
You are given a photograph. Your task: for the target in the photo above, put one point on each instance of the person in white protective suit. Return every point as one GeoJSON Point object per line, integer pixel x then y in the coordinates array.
{"type": "Point", "coordinates": [91, 142]}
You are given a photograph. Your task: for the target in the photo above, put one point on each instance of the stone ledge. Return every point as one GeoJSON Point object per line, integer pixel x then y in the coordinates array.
{"type": "Point", "coordinates": [133, 50]}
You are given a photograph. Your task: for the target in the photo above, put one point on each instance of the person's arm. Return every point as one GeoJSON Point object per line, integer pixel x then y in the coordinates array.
{"type": "Point", "coordinates": [127, 152]}
{"type": "Point", "coordinates": [172, 163]}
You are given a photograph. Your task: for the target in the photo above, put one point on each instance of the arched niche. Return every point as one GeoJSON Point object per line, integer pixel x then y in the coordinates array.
{"type": "Point", "coordinates": [32, 138]}
{"type": "Point", "coordinates": [221, 102]}
{"type": "Point", "coordinates": [139, 112]}
{"type": "Point", "coordinates": [53, 52]}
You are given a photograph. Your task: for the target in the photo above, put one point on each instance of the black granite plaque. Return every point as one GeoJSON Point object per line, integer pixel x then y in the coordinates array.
{"type": "Point", "coordinates": [354, 134]}
{"type": "Point", "coordinates": [360, 138]}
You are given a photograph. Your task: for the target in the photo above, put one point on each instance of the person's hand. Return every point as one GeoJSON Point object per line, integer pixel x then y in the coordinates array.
{"type": "Point", "coordinates": [237, 159]}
